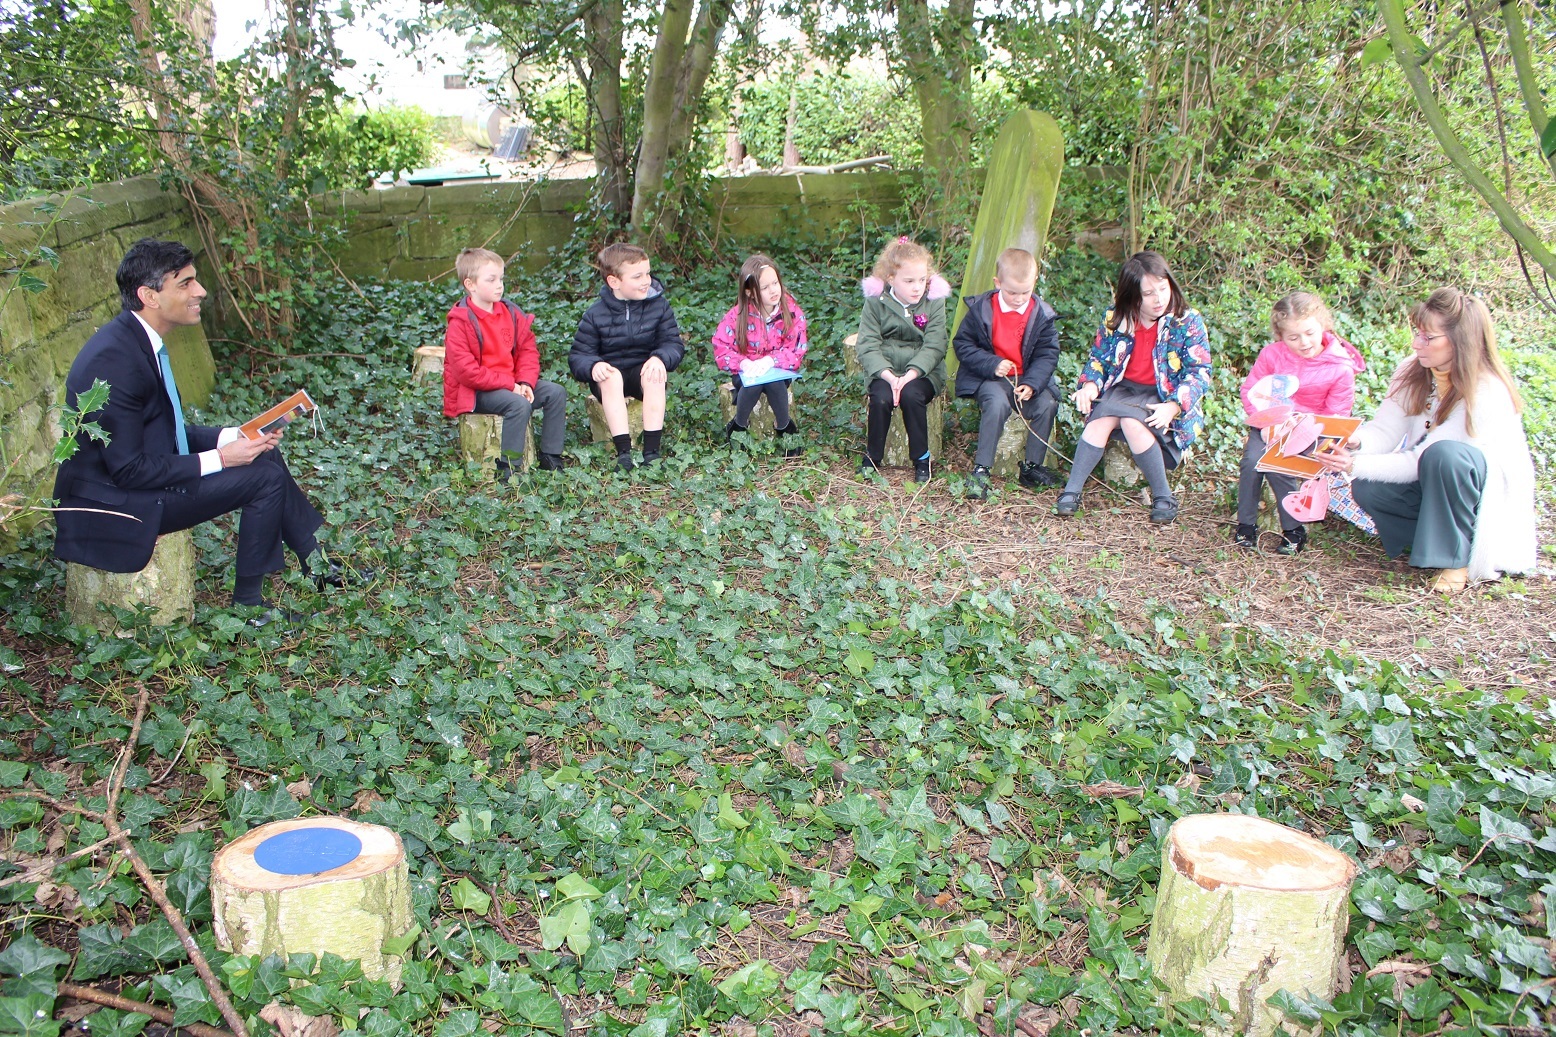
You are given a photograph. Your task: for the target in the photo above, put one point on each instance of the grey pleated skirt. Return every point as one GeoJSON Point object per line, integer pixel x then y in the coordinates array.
{"type": "Point", "coordinates": [1132, 400]}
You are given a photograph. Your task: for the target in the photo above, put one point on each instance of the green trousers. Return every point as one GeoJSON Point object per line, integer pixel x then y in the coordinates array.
{"type": "Point", "coordinates": [1434, 517]}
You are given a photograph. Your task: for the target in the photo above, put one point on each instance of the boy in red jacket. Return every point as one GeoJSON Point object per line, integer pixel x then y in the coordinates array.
{"type": "Point", "coordinates": [491, 364]}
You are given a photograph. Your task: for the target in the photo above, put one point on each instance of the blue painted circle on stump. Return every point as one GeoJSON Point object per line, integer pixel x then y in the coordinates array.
{"type": "Point", "coordinates": [307, 851]}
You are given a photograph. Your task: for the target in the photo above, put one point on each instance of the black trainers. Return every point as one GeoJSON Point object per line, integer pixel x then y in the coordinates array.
{"type": "Point", "coordinates": [552, 462]}
{"type": "Point", "coordinates": [1036, 477]}
{"type": "Point", "coordinates": [1246, 537]}
{"type": "Point", "coordinates": [1164, 510]}
{"type": "Point", "coordinates": [1292, 541]}
{"type": "Point", "coordinates": [1068, 504]}
{"type": "Point", "coordinates": [921, 472]}
{"type": "Point", "coordinates": [978, 483]}
{"type": "Point", "coordinates": [624, 461]}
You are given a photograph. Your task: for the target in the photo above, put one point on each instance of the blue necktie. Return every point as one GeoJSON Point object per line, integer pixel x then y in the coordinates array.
{"type": "Point", "coordinates": [178, 405]}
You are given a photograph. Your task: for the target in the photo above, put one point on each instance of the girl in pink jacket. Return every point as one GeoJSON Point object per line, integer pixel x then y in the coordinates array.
{"type": "Point", "coordinates": [763, 333]}
{"type": "Point", "coordinates": [1323, 367]}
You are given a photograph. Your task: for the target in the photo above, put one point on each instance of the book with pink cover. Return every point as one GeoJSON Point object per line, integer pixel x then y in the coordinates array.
{"type": "Point", "coordinates": [1332, 432]}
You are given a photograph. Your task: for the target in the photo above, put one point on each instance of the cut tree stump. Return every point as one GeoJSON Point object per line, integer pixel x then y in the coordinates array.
{"type": "Point", "coordinates": [166, 584]}
{"type": "Point", "coordinates": [428, 363]}
{"type": "Point", "coordinates": [601, 432]}
{"type": "Point", "coordinates": [1011, 449]}
{"type": "Point", "coordinates": [1248, 907]}
{"type": "Point", "coordinates": [480, 441]}
{"type": "Point", "coordinates": [313, 885]}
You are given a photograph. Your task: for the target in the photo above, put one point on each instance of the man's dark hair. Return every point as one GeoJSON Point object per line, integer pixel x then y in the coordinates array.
{"type": "Point", "coordinates": [148, 263]}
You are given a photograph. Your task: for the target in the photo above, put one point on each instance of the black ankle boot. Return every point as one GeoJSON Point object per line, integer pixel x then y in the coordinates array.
{"type": "Point", "coordinates": [1292, 541]}
{"type": "Point", "coordinates": [791, 440]}
{"type": "Point", "coordinates": [730, 430]}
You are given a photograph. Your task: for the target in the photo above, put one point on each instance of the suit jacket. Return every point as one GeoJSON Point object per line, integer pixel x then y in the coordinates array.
{"type": "Point", "coordinates": [975, 345]}
{"type": "Point", "coordinates": [139, 465]}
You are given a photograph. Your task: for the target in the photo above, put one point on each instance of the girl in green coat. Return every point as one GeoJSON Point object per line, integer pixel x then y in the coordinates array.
{"type": "Point", "coordinates": [901, 346]}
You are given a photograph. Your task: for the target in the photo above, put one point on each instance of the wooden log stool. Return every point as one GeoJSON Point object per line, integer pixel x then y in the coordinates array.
{"type": "Point", "coordinates": [166, 584]}
{"type": "Point", "coordinates": [896, 454]}
{"type": "Point", "coordinates": [1011, 450]}
{"type": "Point", "coordinates": [762, 422]}
{"type": "Point", "coordinates": [313, 885]}
{"type": "Point", "coordinates": [428, 363]}
{"type": "Point", "coordinates": [601, 432]}
{"type": "Point", "coordinates": [1247, 907]}
{"type": "Point", "coordinates": [480, 442]}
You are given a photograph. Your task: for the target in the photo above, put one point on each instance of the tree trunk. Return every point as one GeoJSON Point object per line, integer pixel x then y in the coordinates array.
{"type": "Point", "coordinates": [1247, 907]}
{"type": "Point", "coordinates": [608, 139]}
{"type": "Point", "coordinates": [659, 112]}
{"type": "Point", "coordinates": [940, 76]}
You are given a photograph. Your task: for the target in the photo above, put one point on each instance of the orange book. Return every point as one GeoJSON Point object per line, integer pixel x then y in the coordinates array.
{"type": "Point", "coordinates": [297, 405]}
{"type": "Point", "coordinates": [1333, 432]}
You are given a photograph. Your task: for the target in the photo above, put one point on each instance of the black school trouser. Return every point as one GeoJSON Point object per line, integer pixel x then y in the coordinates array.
{"type": "Point", "coordinates": [915, 418]}
{"type": "Point", "coordinates": [275, 511]}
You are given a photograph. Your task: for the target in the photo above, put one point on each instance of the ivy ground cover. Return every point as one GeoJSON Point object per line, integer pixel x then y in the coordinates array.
{"type": "Point", "coordinates": [734, 746]}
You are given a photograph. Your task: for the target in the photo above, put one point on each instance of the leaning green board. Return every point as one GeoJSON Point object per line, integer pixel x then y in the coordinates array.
{"type": "Point", "coordinates": [1018, 199]}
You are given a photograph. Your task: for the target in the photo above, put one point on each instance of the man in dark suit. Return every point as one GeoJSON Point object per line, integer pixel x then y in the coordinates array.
{"type": "Point", "coordinates": [161, 473]}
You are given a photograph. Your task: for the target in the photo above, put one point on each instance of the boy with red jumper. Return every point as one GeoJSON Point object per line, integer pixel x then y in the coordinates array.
{"type": "Point", "coordinates": [1007, 347]}
{"type": "Point", "coordinates": [491, 364]}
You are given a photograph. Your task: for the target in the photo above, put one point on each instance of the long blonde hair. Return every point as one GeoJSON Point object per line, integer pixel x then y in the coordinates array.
{"type": "Point", "coordinates": [1467, 323]}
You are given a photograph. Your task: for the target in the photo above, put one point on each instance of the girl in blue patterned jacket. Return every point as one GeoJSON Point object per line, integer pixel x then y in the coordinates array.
{"type": "Point", "coordinates": [1149, 368]}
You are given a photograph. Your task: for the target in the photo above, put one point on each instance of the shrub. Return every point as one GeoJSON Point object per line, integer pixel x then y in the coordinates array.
{"type": "Point", "coordinates": [361, 145]}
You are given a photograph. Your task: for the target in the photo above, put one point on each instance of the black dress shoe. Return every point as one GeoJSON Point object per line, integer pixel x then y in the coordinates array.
{"type": "Point", "coordinates": [1164, 510]}
{"type": "Point", "coordinates": [339, 577]}
{"type": "Point", "coordinates": [921, 471]}
{"type": "Point", "coordinates": [1036, 477]}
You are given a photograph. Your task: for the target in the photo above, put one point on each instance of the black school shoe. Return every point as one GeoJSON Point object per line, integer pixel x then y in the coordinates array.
{"type": "Point", "coordinates": [1068, 504]}
{"type": "Point", "coordinates": [1292, 541]}
{"type": "Point", "coordinates": [1246, 537]}
{"type": "Point", "coordinates": [1164, 510]}
{"type": "Point", "coordinates": [624, 461]}
{"type": "Point", "coordinates": [978, 483]}
{"type": "Point", "coordinates": [552, 462]}
{"type": "Point", "coordinates": [921, 471]}
{"type": "Point", "coordinates": [1036, 477]}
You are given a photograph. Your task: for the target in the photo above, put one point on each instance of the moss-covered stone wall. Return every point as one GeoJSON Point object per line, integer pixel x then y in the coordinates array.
{"type": "Point", "coordinates": [415, 232]}
{"type": "Point", "coordinates": [41, 332]}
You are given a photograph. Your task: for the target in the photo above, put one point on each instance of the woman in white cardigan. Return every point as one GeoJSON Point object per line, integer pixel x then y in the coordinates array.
{"type": "Point", "coordinates": [1444, 467]}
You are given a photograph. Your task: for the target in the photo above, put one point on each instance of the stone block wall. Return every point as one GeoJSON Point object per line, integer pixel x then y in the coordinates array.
{"type": "Point", "coordinates": [415, 232]}
{"type": "Point", "coordinates": [40, 333]}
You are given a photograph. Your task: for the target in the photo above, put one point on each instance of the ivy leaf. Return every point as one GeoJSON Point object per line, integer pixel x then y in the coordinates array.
{"type": "Point", "coordinates": [574, 886]}
{"type": "Point", "coordinates": [568, 924]}
{"type": "Point", "coordinates": [28, 955]}
{"type": "Point", "coordinates": [467, 896]}
{"type": "Point", "coordinates": [396, 946]}
{"type": "Point", "coordinates": [1377, 50]}
{"type": "Point", "coordinates": [1548, 139]}
{"type": "Point", "coordinates": [30, 1016]}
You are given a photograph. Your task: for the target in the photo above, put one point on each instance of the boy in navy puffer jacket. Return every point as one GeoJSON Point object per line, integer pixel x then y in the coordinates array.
{"type": "Point", "coordinates": [626, 345]}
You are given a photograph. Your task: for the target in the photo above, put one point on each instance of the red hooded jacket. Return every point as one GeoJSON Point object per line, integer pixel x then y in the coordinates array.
{"type": "Point", "coordinates": [473, 362]}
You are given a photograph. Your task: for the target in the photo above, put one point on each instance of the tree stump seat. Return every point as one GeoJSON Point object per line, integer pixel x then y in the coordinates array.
{"type": "Point", "coordinates": [166, 584]}
{"type": "Point", "coordinates": [601, 432]}
{"type": "Point", "coordinates": [480, 442]}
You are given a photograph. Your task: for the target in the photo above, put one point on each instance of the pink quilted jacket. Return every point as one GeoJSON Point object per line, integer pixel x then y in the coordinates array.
{"type": "Point", "coordinates": [1326, 384]}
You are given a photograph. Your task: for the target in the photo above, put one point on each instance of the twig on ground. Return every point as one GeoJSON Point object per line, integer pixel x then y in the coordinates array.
{"type": "Point", "coordinates": [124, 1004]}
{"type": "Point", "coordinates": [153, 886]}
{"type": "Point", "coordinates": [47, 867]}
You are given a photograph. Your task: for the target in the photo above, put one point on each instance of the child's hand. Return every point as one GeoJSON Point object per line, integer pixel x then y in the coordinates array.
{"type": "Point", "coordinates": [1084, 397]}
{"type": "Point", "coordinates": [1162, 414]}
{"type": "Point", "coordinates": [524, 391]}
{"type": "Point", "coordinates": [896, 392]}
{"type": "Point", "coordinates": [1023, 393]}
{"type": "Point", "coordinates": [653, 372]}
{"type": "Point", "coordinates": [1004, 369]}
{"type": "Point", "coordinates": [1264, 433]}
{"type": "Point", "coordinates": [603, 372]}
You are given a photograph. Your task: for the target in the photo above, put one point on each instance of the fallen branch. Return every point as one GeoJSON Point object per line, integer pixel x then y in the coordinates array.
{"type": "Point", "coordinates": [124, 1004]}
{"type": "Point", "coordinates": [47, 867]}
{"type": "Point", "coordinates": [154, 887]}
{"type": "Point", "coordinates": [858, 163]}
